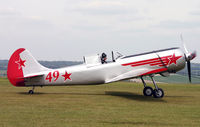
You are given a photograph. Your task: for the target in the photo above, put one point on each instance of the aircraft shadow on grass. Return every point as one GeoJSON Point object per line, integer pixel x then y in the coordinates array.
{"type": "Point", "coordinates": [132, 96]}
{"type": "Point", "coordinates": [67, 93]}
{"type": "Point", "coordinates": [122, 94]}
{"type": "Point", "coordinates": [140, 123]}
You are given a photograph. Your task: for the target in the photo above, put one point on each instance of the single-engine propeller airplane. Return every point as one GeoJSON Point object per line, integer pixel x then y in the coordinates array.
{"type": "Point", "coordinates": [25, 71]}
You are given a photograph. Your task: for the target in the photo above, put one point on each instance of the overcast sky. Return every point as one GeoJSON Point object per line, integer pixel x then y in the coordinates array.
{"type": "Point", "coordinates": [70, 29]}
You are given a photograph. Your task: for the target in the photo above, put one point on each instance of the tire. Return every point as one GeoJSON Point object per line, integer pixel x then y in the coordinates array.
{"type": "Point", "coordinates": [30, 92]}
{"type": "Point", "coordinates": [158, 93]}
{"type": "Point", "coordinates": [147, 91]}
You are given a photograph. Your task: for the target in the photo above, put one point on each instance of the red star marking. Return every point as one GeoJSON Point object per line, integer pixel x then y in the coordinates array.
{"type": "Point", "coordinates": [67, 76]}
{"type": "Point", "coordinates": [20, 63]}
{"type": "Point", "coordinates": [173, 59]}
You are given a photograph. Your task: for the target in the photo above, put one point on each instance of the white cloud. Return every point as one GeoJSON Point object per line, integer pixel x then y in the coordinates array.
{"type": "Point", "coordinates": [8, 12]}
{"type": "Point", "coordinates": [103, 8]}
{"type": "Point", "coordinates": [179, 25]}
{"type": "Point", "coordinates": [89, 26]}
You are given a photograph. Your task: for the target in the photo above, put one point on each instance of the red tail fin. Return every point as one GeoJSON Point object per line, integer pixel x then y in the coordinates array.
{"type": "Point", "coordinates": [14, 71]}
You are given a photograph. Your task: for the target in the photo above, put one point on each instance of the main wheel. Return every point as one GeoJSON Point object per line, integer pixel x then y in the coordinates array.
{"type": "Point", "coordinates": [158, 93]}
{"type": "Point", "coordinates": [30, 92]}
{"type": "Point", "coordinates": [147, 91]}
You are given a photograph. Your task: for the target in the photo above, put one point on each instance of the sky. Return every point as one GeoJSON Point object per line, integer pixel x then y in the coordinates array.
{"type": "Point", "coordinates": [70, 29]}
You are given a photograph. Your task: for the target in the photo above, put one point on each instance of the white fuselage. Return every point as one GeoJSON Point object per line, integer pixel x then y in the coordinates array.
{"type": "Point", "coordinates": [157, 62]}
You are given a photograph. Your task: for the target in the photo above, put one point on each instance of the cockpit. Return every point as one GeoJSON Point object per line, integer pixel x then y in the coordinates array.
{"type": "Point", "coordinates": [97, 59]}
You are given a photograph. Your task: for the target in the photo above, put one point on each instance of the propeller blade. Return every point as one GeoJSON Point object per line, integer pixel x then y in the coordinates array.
{"type": "Point", "coordinates": [184, 46]}
{"type": "Point", "coordinates": [189, 70]}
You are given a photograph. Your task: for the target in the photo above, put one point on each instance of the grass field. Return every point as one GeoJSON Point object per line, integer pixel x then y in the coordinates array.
{"type": "Point", "coordinates": [120, 104]}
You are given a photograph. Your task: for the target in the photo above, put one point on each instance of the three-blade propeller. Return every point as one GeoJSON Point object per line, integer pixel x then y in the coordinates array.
{"type": "Point", "coordinates": [188, 58]}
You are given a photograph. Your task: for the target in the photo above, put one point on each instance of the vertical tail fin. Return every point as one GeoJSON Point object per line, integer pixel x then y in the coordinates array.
{"type": "Point", "coordinates": [21, 64]}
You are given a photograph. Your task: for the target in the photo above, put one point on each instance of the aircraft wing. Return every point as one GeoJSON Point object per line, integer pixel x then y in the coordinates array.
{"type": "Point", "coordinates": [127, 75]}
{"type": "Point", "coordinates": [136, 73]}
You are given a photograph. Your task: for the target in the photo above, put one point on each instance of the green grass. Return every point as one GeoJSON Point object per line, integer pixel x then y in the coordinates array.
{"type": "Point", "coordinates": [120, 104]}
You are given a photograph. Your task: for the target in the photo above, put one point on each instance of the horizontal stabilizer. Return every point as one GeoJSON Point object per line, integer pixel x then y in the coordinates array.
{"type": "Point", "coordinates": [32, 76]}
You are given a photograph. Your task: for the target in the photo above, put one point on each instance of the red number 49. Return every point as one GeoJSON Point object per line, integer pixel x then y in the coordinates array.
{"type": "Point", "coordinates": [55, 76]}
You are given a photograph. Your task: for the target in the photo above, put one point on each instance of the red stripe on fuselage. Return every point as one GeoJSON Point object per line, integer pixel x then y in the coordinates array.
{"type": "Point", "coordinates": [155, 61]}
{"type": "Point", "coordinates": [138, 62]}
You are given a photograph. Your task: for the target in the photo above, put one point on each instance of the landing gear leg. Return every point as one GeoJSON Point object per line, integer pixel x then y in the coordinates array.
{"type": "Point", "coordinates": [157, 92]}
{"type": "Point", "coordinates": [147, 91]}
{"type": "Point", "coordinates": [31, 91]}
